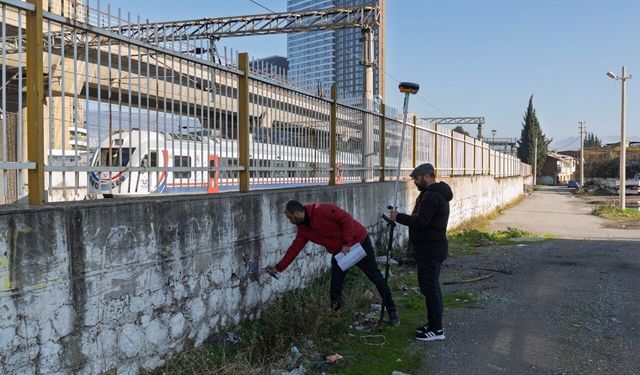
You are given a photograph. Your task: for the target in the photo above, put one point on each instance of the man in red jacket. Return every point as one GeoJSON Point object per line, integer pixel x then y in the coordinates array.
{"type": "Point", "coordinates": [328, 225]}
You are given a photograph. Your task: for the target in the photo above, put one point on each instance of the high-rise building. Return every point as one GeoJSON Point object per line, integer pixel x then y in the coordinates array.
{"type": "Point", "coordinates": [320, 58]}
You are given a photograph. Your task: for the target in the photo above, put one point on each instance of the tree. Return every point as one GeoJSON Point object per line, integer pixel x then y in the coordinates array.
{"type": "Point", "coordinates": [592, 140]}
{"type": "Point", "coordinates": [530, 132]}
{"type": "Point", "coordinates": [459, 129]}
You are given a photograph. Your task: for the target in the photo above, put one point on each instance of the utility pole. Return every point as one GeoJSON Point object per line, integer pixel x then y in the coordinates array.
{"type": "Point", "coordinates": [582, 128]}
{"type": "Point", "coordinates": [535, 159]}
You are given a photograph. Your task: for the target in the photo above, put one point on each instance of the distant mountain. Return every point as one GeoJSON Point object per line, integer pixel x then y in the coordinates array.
{"type": "Point", "coordinates": [573, 143]}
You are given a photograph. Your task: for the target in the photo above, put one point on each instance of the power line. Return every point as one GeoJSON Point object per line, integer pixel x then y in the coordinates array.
{"type": "Point", "coordinates": [262, 6]}
{"type": "Point", "coordinates": [379, 69]}
{"type": "Point", "coordinates": [568, 144]}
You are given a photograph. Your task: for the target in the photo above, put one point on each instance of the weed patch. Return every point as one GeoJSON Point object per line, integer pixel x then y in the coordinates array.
{"type": "Point", "coordinates": [302, 319]}
{"type": "Point", "coordinates": [468, 242]}
{"type": "Point", "coordinates": [614, 213]}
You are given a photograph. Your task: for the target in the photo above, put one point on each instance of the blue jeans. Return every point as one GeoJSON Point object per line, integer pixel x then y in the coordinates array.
{"type": "Point", "coordinates": [429, 282]}
{"type": "Point", "coordinates": [370, 268]}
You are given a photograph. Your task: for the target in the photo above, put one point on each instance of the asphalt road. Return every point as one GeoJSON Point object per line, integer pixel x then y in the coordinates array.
{"type": "Point", "coordinates": [570, 305]}
{"type": "Point", "coordinates": [556, 211]}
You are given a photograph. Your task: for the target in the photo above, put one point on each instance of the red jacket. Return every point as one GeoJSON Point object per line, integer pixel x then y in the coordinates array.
{"type": "Point", "coordinates": [325, 224]}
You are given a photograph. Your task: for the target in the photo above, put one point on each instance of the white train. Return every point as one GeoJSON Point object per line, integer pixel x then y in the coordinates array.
{"type": "Point", "coordinates": [140, 162]}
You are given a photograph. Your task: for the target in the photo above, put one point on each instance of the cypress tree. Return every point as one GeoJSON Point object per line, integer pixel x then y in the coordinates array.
{"type": "Point", "coordinates": [530, 131]}
{"type": "Point", "coordinates": [592, 140]}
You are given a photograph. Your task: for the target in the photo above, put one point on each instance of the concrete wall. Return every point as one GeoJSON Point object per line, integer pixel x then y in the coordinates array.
{"type": "Point", "coordinates": [124, 285]}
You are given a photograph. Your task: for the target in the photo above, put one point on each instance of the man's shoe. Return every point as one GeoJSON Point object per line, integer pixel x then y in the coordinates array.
{"type": "Point", "coordinates": [430, 335]}
{"type": "Point", "coordinates": [394, 319]}
{"type": "Point", "coordinates": [422, 328]}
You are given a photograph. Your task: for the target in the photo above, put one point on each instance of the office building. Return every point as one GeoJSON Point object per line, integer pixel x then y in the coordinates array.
{"type": "Point", "coordinates": [320, 58]}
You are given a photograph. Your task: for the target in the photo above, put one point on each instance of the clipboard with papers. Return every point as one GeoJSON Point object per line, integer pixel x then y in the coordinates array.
{"type": "Point", "coordinates": [346, 261]}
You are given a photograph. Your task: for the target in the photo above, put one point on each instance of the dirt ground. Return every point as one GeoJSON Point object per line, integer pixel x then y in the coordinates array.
{"type": "Point", "coordinates": [568, 305]}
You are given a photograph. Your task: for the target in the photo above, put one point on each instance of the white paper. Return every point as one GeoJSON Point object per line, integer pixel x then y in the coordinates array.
{"type": "Point", "coordinates": [346, 261]}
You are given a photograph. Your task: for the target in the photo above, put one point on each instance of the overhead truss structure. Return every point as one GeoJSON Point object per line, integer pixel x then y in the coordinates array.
{"type": "Point", "coordinates": [456, 120]}
{"type": "Point", "coordinates": [364, 17]}
{"type": "Point", "coordinates": [459, 121]}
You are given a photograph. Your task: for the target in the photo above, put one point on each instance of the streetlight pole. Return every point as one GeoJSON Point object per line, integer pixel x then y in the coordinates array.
{"type": "Point", "coordinates": [623, 141]}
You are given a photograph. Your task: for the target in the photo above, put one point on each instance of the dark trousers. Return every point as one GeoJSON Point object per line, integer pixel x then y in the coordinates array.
{"type": "Point", "coordinates": [429, 282]}
{"type": "Point", "coordinates": [370, 268]}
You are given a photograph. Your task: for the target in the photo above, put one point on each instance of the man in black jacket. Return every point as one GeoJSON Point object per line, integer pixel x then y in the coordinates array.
{"type": "Point", "coordinates": [428, 237]}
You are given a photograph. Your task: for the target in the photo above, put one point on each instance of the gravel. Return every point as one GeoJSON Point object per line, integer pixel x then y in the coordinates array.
{"type": "Point", "coordinates": [560, 306]}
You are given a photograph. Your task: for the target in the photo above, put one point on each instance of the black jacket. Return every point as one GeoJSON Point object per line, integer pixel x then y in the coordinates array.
{"type": "Point", "coordinates": [428, 223]}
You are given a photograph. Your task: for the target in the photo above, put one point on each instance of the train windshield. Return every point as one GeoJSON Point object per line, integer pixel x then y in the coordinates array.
{"type": "Point", "coordinates": [115, 157]}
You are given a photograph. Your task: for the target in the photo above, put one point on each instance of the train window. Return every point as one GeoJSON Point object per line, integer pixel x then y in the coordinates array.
{"type": "Point", "coordinates": [115, 157]}
{"type": "Point", "coordinates": [182, 161]}
{"type": "Point", "coordinates": [150, 160]}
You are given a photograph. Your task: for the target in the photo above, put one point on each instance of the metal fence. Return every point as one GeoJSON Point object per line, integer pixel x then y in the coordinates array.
{"type": "Point", "coordinates": [108, 115]}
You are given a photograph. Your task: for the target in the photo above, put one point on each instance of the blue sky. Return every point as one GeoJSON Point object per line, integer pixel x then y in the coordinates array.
{"type": "Point", "coordinates": [485, 58]}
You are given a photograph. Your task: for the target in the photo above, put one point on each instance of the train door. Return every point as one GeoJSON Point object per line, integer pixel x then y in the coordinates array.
{"type": "Point", "coordinates": [155, 181]}
{"type": "Point", "coordinates": [148, 179]}
{"type": "Point", "coordinates": [213, 185]}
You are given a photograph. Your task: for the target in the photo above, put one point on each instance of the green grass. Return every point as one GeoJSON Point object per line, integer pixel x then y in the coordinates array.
{"type": "Point", "coordinates": [615, 213]}
{"type": "Point", "coordinates": [300, 317]}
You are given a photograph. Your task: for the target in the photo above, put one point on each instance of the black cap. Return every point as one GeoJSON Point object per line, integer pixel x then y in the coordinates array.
{"type": "Point", "coordinates": [423, 169]}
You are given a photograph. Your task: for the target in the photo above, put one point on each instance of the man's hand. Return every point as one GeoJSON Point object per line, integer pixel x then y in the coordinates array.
{"type": "Point", "coordinates": [345, 249]}
{"type": "Point", "coordinates": [392, 215]}
{"type": "Point", "coordinates": [271, 270]}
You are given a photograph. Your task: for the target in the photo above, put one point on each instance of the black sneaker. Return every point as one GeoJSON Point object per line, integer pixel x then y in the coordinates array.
{"type": "Point", "coordinates": [430, 335]}
{"type": "Point", "coordinates": [422, 328]}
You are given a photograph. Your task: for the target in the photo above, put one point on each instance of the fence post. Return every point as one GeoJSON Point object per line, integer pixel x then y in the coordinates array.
{"type": "Point", "coordinates": [35, 97]}
{"type": "Point", "coordinates": [333, 135]}
{"type": "Point", "coordinates": [464, 155]}
{"type": "Point", "coordinates": [243, 121]}
{"type": "Point", "coordinates": [415, 141]}
{"type": "Point", "coordinates": [383, 140]}
{"type": "Point", "coordinates": [475, 157]}
{"type": "Point", "coordinates": [453, 160]}
{"type": "Point", "coordinates": [482, 157]}
{"type": "Point", "coordinates": [489, 161]}
{"type": "Point", "coordinates": [435, 148]}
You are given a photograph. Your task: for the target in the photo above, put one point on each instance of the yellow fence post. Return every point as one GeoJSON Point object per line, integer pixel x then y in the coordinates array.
{"type": "Point", "coordinates": [243, 121]}
{"type": "Point", "coordinates": [334, 135]}
{"type": "Point", "coordinates": [35, 97]}
{"type": "Point", "coordinates": [383, 140]}
{"type": "Point", "coordinates": [415, 141]}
